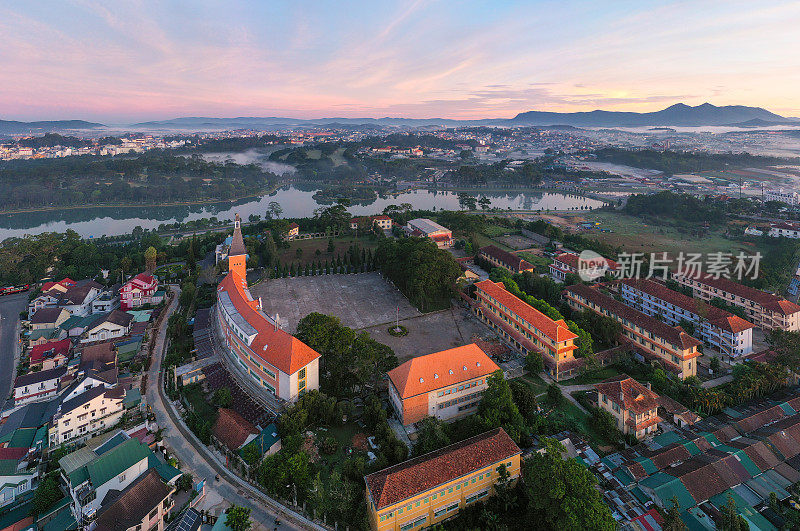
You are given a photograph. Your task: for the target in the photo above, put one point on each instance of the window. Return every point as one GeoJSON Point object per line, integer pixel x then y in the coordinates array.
{"type": "Point", "coordinates": [153, 513]}
{"type": "Point", "coordinates": [450, 490]}
{"type": "Point", "coordinates": [121, 478]}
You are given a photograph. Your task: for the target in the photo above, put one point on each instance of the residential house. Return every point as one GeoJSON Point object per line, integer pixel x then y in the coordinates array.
{"type": "Point", "coordinates": [106, 301]}
{"type": "Point", "coordinates": [48, 318]}
{"type": "Point", "coordinates": [83, 415]}
{"type": "Point", "coordinates": [633, 406]}
{"type": "Point", "coordinates": [114, 325]}
{"type": "Point", "coordinates": [37, 386]}
{"type": "Point", "coordinates": [49, 355]}
{"type": "Point", "coordinates": [51, 292]}
{"type": "Point", "coordinates": [221, 251]}
{"type": "Point", "coordinates": [76, 326]}
{"type": "Point", "coordinates": [367, 222]}
{"type": "Point", "coordinates": [45, 335]}
{"type": "Point", "coordinates": [232, 430]}
{"type": "Point", "coordinates": [16, 479]}
{"type": "Point", "coordinates": [144, 504]}
{"type": "Point", "coordinates": [293, 232]}
{"type": "Point", "coordinates": [726, 333]}
{"type": "Point", "coordinates": [500, 258]}
{"type": "Point", "coordinates": [527, 329]}
{"type": "Point", "coordinates": [78, 299]}
{"type": "Point", "coordinates": [446, 385]}
{"type": "Point", "coordinates": [266, 443]}
{"type": "Point", "coordinates": [425, 228]}
{"type": "Point", "coordinates": [59, 287]}
{"type": "Point", "coordinates": [106, 464]}
{"type": "Point", "coordinates": [784, 230]}
{"type": "Point", "coordinates": [431, 488]}
{"type": "Point", "coordinates": [138, 291]}
{"type": "Point", "coordinates": [274, 359]}
{"type": "Point", "coordinates": [765, 310]}
{"type": "Point", "coordinates": [650, 338]}
{"type": "Point", "coordinates": [571, 264]}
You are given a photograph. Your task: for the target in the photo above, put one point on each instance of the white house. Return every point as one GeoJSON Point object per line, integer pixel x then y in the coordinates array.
{"type": "Point", "coordinates": [83, 415]}
{"type": "Point", "coordinates": [114, 325]}
{"type": "Point", "coordinates": [37, 386]}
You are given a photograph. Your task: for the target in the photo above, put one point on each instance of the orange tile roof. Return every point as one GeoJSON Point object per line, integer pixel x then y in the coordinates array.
{"type": "Point", "coordinates": [514, 262]}
{"type": "Point", "coordinates": [232, 429]}
{"type": "Point", "coordinates": [555, 330]}
{"type": "Point", "coordinates": [628, 393]}
{"type": "Point", "coordinates": [275, 346]}
{"type": "Point", "coordinates": [426, 472]}
{"type": "Point", "coordinates": [441, 369]}
{"type": "Point", "coordinates": [716, 316]}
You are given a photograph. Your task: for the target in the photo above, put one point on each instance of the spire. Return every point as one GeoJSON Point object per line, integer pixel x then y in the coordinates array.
{"type": "Point", "coordinates": [237, 243]}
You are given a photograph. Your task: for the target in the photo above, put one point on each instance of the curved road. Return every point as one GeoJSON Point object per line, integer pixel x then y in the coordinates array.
{"type": "Point", "coordinates": [10, 306]}
{"type": "Point", "coordinates": [198, 459]}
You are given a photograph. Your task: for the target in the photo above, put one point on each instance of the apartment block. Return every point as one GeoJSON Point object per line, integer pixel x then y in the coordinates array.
{"type": "Point", "coordinates": [431, 488]}
{"type": "Point", "coordinates": [729, 334]}
{"type": "Point", "coordinates": [526, 328]}
{"type": "Point", "coordinates": [500, 258]}
{"type": "Point", "coordinates": [446, 385]}
{"type": "Point", "coordinates": [652, 339]}
{"type": "Point", "coordinates": [764, 310]}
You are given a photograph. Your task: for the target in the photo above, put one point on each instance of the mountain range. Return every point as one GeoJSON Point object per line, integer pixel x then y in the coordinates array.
{"type": "Point", "coordinates": [679, 114]}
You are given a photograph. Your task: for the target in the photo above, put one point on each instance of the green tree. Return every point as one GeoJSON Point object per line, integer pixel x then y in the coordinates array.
{"type": "Point", "coordinates": [238, 518]}
{"type": "Point", "coordinates": [534, 363]}
{"type": "Point", "coordinates": [554, 394]}
{"type": "Point", "coordinates": [562, 493]}
{"type": "Point", "coordinates": [484, 202]}
{"type": "Point", "coordinates": [730, 520]}
{"type": "Point", "coordinates": [275, 209]}
{"type": "Point", "coordinates": [672, 517]}
{"type": "Point", "coordinates": [150, 256]}
{"type": "Point", "coordinates": [47, 493]}
{"type": "Point", "coordinates": [431, 435]}
{"type": "Point", "coordinates": [222, 397]}
{"type": "Point", "coordinates": [497, 408]}
{"type": "Point", "coordinates": [525, 399]}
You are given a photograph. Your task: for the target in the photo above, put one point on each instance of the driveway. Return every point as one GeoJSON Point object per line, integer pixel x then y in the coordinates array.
{"type": "Point", "coordinates": [10, 306]}
{"type": "Point", "coordinates": [202, 463]}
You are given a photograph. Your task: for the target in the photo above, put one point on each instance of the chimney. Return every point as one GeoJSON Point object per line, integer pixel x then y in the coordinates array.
{"type": "Point", "coordinates": [260, 305]}
{"type": "Point", "coordinates": [649, 386]}
{"type": "Point", "coordinates": [277, 321]}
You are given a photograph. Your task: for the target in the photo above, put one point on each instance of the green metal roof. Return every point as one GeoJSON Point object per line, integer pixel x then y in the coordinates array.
{"type": "Point", "coordinates": [691, 447]}
{"type": "Point", "coordinates": [165, 470]}
{"type": "Point", "coordinates": [140, 316]}
{"type": "Point", "coordinates": [64, 521]}
{"type": "Point", "coordinates": [789, 410]}
{"type": "Point", "coordinates": [622, 475]}
{"type": "Point", "coordinates": [697, 520]}
{"type": "Point", "coordinates": [667, 487]}
{"type": "Point", "coordinates": [116, 460]}
{"type": "Point", "coordinates": [22, 438]}
{"type": "Point", "coordinates": [269, 436]}
{"type": "Point", "coordinates": [7, 519]}
{"type": "Point", "coordinates": [132, 398]}
{"type": "Point", "coordinates": [640, 495]}
{"type": "Point", "coordinates": [8, 467]}
{"type": "Point", "coordinates": [711, 439]}
{"type": "Point", "coordinates": [647, 464]}
{"type": "Point", "coordinates": [667, 438]}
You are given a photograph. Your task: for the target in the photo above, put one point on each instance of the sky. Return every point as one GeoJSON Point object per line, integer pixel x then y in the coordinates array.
{"type": "Point", "coordinates": [127, 61]}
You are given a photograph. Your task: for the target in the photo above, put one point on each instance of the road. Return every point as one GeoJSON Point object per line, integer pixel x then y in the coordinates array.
{"type": "Point", "coordinates": [10, 306]}
{"type": "Point", "coordinates": [198, 460]}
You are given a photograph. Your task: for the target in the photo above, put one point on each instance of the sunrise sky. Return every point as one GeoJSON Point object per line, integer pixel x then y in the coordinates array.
{"type": "Point", "coordinates": [118, 62]}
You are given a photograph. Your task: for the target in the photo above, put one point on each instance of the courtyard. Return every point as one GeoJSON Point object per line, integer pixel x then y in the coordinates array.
{"type": "Point", "coordinates": [360, 300]}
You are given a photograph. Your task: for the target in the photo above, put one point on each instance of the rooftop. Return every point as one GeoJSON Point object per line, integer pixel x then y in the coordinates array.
{"type": "Point", "coordinates": [629, 394]}
{"type": "Point", "coordinates": [237, 242]}
{"type": "Point", "coordinates": [232, 429]}
{"type": "Point", "coordinates": [674, 335]}
{"type": "Point", "coordinates": [555, 330]}
{"type": "Point", "coordinates": [426, 225]}
{"type": "Point", "coordinates": [421, 474]}
{"type": "Point", "coordinates": [441, 369]}
{"type": "Point", "coordinates": [515, 262]}
{"type": "Point", "coordinates": [127, 508]}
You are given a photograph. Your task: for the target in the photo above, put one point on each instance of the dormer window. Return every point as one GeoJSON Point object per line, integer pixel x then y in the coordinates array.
{"type": "Point", "coordinates": [465, 367]}
{"type": "Point", "coordinates": [435, 375]}
{"type": "Point", "coordinates": [421, 380]}
{"type": "Point", "coordinates": [451, 371]}
{"type": "Point", "coordinates": [477, 363]}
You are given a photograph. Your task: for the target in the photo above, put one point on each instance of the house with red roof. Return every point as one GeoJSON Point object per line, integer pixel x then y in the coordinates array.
{"type": "Point", "coordinates": [571, 264]}
{"type": "Point", "coordinates": [633, 406]}
{"type": "Point", "coordinates": [500, 258]}
{"type": "Point", "coordinates": [49, 355]}
{"type": "Point", "coordinates": [138, 291]}
{"type": "Point", "coordinates": [426, 228]}
{"type": "Point", "coordinates": [367, 222]}
{"type": "Point", "coordinates": [275, 360]}
{"type": "Point", "coordinates": [446, 385]}
{"type": "Point", "coordinates": [434, 487]}
{"type": "Point", "coordinates": [293, 232]}
{"type": "Point", "coordinates": [233, 430]}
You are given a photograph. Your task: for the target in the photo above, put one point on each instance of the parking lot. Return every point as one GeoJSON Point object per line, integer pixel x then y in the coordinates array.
{"type": "Point", "coordinates": [360, 301]}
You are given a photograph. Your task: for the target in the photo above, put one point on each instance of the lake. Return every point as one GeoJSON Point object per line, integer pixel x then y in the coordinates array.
{"type": "Point", "coordinates": [297, 201]}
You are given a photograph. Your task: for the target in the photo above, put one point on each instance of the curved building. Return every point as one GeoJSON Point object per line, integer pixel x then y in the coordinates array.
{"type": "Point", "coordinates": [273, 358]}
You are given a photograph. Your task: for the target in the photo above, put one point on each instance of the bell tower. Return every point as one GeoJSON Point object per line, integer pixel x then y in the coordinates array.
{"type": "Point", "coordinates": [237, 255]}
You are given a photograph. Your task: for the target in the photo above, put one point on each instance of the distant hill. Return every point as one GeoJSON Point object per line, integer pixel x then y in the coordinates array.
{"type": "Point", "coordinates": [679, 114]}
{"type": "Point", "coordinates": [13, 127]}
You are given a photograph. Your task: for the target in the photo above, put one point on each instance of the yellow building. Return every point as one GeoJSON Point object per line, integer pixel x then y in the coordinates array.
{"type": "Point", "coordinates": [633, 406]}
{"type": "Point", "coordinates": [433, 487]}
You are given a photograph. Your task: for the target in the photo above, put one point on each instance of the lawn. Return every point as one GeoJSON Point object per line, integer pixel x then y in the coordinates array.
{"type": "Point", "coordinates": [591, 377]}
{"type": "Point", "coordinates": [636, 235]}
{"type": "Point", "coordinates": [539, 262]}
{"type": "Point", "coordinates": [200, 404]}
{"type": "Point", "coordinates": [309, 248]}
{"type": "Point", "coordinates": [496, 230]}
{"type": "Point", "coordinates": [535, 382]}
{"type": "Point", "coordinates": [344, 436]}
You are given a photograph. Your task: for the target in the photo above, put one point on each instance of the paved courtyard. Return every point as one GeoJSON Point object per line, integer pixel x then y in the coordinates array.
{"type": "Point", "coordinates": [360, 300]}
{"type": "Point", "coordinates": [431, 333]}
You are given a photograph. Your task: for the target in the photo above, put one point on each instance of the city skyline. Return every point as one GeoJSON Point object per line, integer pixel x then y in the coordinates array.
{"type": "Point", "coordinates": [84, 60]}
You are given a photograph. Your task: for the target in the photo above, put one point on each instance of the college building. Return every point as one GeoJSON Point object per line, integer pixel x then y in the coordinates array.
{"type": "Point", "coordinates": [527, 329]}
{"type": "Point", "coordinates": [763, 309]}
{"type": "Point", "coordinates": [570, 263]}
{"type": "Point", "coordinates": [446, 385]}
{"type": "Point", "coordinates": [500, 258]}
{"type": "Point", "coordinates": [428, 489]}
{"type": "Point", "coordinates": [277, 361]}
{"type": "Point", "coordinates": [633, 406]}
{"type": "Point", "coordinates": [652, 339]}
{"type": "Point", "coordinates": [721, 330]}
{"type": "Point", "coordinates": [425, 228]}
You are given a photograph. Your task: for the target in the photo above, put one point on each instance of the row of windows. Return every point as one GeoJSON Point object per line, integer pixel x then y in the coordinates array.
{"type": "Point", "coordinates": [509, 311]}
{"type": "Point", "coordinates": [533, 339]}
{"type": "Point", "coordinates": [459, 388]}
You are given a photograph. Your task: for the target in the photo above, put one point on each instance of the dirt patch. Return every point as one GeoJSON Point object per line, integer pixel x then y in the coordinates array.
{"type": "Point", "coordinates": [310, 448]}
{"type": "Point", "coordinates": [359, 442]}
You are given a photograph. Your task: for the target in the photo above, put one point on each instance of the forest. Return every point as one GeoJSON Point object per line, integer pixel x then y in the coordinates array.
{"type": "Point", "coordinates": [152, 177]}
{"type": "Point", "coordinates": [682, 161]}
